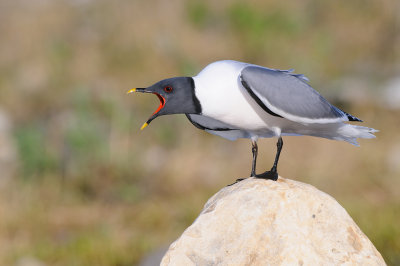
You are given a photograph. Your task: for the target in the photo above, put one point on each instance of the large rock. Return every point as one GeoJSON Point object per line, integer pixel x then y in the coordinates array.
{"type": "Point", "coordinates": [263, 222]}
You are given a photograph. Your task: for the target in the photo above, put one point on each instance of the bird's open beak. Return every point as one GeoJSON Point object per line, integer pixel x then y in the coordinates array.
{"type": "Point", "coordinates": [154, 115]}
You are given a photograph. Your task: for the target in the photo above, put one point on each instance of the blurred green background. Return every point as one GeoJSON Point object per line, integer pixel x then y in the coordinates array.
{"type": "Point", "coordinates": [80, 184]}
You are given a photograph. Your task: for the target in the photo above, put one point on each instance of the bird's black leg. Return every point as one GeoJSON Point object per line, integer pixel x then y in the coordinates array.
{"type": "Point", "coordinates": [279, 146]}
{"type": "Point", "coordinates": [254, 150]}
{"type": "Point", "coordinates": [273, 173]}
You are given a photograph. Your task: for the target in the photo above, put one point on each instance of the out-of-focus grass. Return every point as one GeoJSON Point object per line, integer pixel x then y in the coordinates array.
{"type": "Point", "coordinates": [377, 223]}
{"type": "Point", "coordinates": [255, 26]}
{"type": "Point", "coordinates": [63, 226]}
{"type": "Point", "coordinates": [92, 189]}
{"type": "Point", "coordinates": [34, 158]}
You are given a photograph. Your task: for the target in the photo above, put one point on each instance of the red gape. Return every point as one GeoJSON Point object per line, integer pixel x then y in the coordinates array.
{"type": "Point", "coordinates": [162, 103]}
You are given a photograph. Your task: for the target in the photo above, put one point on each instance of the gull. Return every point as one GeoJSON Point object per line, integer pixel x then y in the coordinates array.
{"type": "Point", "coordinates": [234, 100]}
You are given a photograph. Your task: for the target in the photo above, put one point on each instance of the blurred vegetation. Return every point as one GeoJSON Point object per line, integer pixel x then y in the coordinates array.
{"type": "Point", "coordinates": [87, 187]}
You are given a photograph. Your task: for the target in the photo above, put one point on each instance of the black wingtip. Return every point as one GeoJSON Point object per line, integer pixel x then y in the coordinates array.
{"type": "Point", "coordinates": [353, 118]}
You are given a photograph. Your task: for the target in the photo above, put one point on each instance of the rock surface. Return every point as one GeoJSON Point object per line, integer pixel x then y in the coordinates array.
{"type": "Point", "coordinates": [263, 222]}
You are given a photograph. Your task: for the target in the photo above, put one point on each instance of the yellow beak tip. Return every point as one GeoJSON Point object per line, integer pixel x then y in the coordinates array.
{"type": "Point", "coordinates": [131, 90]}
{"type": "Point", "coordinates": [144, 125]}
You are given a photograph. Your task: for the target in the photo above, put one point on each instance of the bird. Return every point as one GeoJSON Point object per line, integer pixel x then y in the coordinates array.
{"type": "Point", "coordinates": [233, 99]}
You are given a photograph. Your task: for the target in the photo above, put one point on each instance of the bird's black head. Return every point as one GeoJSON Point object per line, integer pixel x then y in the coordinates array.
{"type": "Point", "coordinates": [176, 96]}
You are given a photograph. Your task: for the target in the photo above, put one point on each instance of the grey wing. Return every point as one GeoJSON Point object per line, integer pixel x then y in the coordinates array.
{"type": "Point", "coordinates": [284, 94]}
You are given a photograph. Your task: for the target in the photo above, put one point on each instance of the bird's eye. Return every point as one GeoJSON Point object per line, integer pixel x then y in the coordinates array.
{"type": "Point", "coordinates": [168, 89]}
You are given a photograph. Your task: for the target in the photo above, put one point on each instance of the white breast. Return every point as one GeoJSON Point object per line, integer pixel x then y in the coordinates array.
{"type": "Point", "coordinates": [222, 96]}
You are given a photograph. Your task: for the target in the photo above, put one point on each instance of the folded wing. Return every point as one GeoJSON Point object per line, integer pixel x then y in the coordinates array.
{"type": "Point", "coordinates": [284, 94]}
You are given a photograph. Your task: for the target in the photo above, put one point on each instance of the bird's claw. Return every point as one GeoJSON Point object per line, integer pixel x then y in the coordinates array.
{"type": "Point", "coordinates": [237, 181]}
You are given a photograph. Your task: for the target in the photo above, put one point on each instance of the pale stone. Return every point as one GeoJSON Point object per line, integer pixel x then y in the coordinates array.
{"type": "Point", "coordinates": [263, 222]}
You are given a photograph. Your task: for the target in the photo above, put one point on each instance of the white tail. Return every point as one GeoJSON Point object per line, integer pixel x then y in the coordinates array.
{"type": "Point", "coordinates": [350, 133]}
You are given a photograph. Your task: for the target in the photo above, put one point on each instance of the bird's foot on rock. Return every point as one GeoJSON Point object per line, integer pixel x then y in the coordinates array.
{"type": "Point", "coordinates": [273, 175]}
{"type": "Point", "coordinates": [237, 181]}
